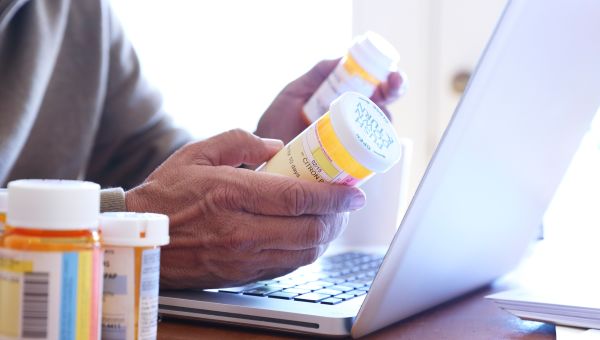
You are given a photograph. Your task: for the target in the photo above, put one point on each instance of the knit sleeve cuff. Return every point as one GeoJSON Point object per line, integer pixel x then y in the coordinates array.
{"type": "Point", "coordinates": [112, 199]}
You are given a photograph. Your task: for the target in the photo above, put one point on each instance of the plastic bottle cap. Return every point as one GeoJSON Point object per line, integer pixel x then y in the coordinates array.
{"type": "Point", "coordinates": [134, 229]}
{"type": "Point", "coordinates": [53, 204]}
{"type": "Point", "coordinates": [365, 131]}
{"type": "Point", "coordinates": [375, 54]}
{"type": "Point", "coordinates": [3, 200]}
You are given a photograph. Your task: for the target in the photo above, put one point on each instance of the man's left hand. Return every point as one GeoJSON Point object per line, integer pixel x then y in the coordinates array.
{"type": "Point", "coordinates": [283, 119]}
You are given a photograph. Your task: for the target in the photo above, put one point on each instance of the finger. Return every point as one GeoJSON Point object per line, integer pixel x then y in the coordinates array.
{"type": "Point", "coordinates": [308, 83]}
{"type": "Point", "coordinates": [233, 148]}
{"type": "Point", "coordinates": [390, 90]}
{"type": "Point", "coordinates": [253, 234]}
{"type": "Point", "coordinates": [271, 194]}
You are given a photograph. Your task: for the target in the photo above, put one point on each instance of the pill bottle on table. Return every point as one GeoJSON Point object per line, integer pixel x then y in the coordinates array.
{"type": "Point", "coordinates": [51, 261]}
{"type": "Point", "coordinates": [347, 145]}
{"type": "Point", "coordinates": [131, 273]}
{"type": "Point", "coordinates": [3, 207]}
{"type": "Point", "coordinates": [366, 64]}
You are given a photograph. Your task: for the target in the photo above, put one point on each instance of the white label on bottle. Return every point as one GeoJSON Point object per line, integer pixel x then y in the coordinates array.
{"type": "Point", "coordinates": [148, 308]}
{"type": "Point", "coordinates": [118, 311]}
{"type": "Point", "coordinates": [338, 82]}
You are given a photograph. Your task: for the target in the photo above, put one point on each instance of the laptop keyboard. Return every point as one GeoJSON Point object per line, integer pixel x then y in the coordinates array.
{"type": "Point", "coordinates": [331, 280]}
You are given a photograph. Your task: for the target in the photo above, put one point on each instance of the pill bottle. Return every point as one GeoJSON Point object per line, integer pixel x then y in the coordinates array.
{"type": "Point", "coordinates": [366, 64]}
{"type": "Point", "coordinates": [347, 145]}
{"type": "Point", "coordinates": [3, 207]}
{"type": "Point", "coordinates": [131, 273]}
{"type": "Point", "coordinates": [51, 261]}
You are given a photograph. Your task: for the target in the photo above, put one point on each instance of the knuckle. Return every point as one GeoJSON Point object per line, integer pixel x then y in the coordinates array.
{"type": "Point", "coordinates": [296, 198]}
{"type": "Point", "coordinates": [316, 231]}
{"type": "Point", "coordinates": [238, 242]}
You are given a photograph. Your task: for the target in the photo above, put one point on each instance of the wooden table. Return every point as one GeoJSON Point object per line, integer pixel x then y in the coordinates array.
{"type": "Point", "coordinates": [468, 317]}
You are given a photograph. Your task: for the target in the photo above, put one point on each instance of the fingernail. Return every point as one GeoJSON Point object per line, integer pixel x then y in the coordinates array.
{"type": "Point", "coordinates": [273, 143]}
{"type": "Point", "coordinates": [357, 201]}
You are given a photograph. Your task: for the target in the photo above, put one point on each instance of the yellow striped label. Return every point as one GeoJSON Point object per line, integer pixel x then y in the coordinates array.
{"type": "Point", "coordinates": [337, 152]}
{"type": "Point", "coordinates": [353, 68]}
{"type": "Point", "coordinates": [84, 291]}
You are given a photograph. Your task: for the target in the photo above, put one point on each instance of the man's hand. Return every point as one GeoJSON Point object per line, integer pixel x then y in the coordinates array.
{"type": "Point", "coordinates": [283, 119]}
{"type": "Point", "coordinates": [230, 226]}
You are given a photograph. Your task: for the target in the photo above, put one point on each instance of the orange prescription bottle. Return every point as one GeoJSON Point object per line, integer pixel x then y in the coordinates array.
{"type": "Point", "coordinates": [131, 273]}
{"type": "Point", "coordinates": [347, 145]}
{"type": "Point", "coordinates": [366, 64]}
{"type": "Point", "coordinates": [3, 207]}
{"type": "Point", "coordinates": [50, 261]}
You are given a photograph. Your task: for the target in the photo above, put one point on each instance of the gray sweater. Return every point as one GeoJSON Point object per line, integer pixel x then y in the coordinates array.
{"type": "Point", "coordinates": [73, 102]}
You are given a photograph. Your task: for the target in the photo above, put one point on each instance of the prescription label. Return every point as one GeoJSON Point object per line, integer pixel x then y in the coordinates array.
{"type": "Point", "coordinates": [130, 299]}
{"type": "Point", "coordinates": [49, 295]}
{"type": "Point", "coordinates": [306, 157]}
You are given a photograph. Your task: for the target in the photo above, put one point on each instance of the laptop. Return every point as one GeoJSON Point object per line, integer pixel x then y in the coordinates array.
{"type": "Point", "coordinates": [480, 203]}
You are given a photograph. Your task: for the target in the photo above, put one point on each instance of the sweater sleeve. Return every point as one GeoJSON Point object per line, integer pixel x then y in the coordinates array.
{"type": "Point", "coordinates": [134, 135]}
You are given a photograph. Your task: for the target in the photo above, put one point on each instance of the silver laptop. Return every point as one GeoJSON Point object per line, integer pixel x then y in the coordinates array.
{"type": "Point", "coordinates": [480, 203]}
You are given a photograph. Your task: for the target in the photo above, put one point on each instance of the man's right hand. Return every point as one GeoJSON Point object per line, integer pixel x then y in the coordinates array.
{"type": "Point", "coordinates": [230, 226]}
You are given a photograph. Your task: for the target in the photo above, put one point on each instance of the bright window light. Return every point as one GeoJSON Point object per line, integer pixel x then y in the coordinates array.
{"type": "Point", "coordinates": [219, 64]}
{"type": "Point", "coordinates": [574, 214]}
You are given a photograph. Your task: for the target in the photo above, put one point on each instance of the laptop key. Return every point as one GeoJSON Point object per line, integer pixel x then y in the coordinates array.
{"type": "Point", "coordinates": [354, 284]}
{"type": "Point", "coordinates": [335, 281]}
{"type": "Point", "coordinates": [297, 291]}
{"type": "Point", "coordinates": [326, 291]}
{"type": "Point", "coordinates": [341, 288]}
{"type": "Point", "coordinates": [310, 286]}
{"type": "Point", "coordinates": [331, 301]}
{"type": "Point", "coordinates": [283, 295]}
{"type": "Point", "coordinates": [357, 292]}
{"type": "Point", "coordinates": [311, 297]}
{"type": "Point", "coordinates": [262, 291]}
{"type": "Point", "coordinates": [345, 296]}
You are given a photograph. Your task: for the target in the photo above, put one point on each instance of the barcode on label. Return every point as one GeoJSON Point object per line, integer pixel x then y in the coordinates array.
{"type": "Point", "coordinates": [35, 305]}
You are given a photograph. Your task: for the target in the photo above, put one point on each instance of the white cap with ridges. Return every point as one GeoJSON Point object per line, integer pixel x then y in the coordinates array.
{"type": "Point", "coordinates": [365, 132]}
{"type": "Point", "coordinates": [53, 204]}
{"type": "Point", "coordinates": [375, 54]}
{"type": "Point", "coordinates": [134, 229]}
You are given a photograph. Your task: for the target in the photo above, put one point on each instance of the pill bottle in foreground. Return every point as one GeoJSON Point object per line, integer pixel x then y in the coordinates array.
{"type": "Point", "coordinates": [347, 145]}
{"type": "Point", "coordinates": [51, 261]}
{"type": "Point", "coordinates": [3, 207]}
{"type": "Point", "coordinates": [366, 64]}
{"type": "Point", "coordinates": [131, 273]}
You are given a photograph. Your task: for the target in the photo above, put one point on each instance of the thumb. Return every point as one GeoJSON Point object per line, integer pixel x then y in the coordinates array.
{"type": "Point", "coordinates": [234, 148]}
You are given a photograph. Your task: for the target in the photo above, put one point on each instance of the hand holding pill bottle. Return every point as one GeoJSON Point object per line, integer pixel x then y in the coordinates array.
{"type": "Point", "coordinates": [367, 63]}
{"type": "Point", "coordinates": [350, 143]}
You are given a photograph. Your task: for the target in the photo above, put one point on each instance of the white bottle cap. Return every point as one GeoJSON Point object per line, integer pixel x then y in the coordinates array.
{"type": "Point", "coordinates": [53, 204]}
{"type": "Point", "coordinates": [134, 229]}
{"type": "Point", "coordinates": [3, 200]}
{"type": "Point", "coordinates": [365, 132]}
{"type": "Point", "coordinates": [375, 54]}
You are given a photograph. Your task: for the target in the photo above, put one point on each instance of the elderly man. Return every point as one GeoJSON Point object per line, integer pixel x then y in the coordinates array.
{"type": "Point", "coordinates": [74, 105]}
